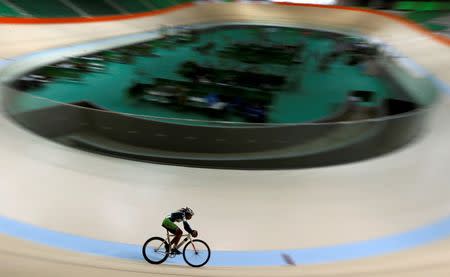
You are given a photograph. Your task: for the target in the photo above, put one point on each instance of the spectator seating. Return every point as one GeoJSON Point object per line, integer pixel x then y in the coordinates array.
{"type": "Point", "coordinates": [132, 6]}
{"type": "Point", "coordinates": [45, 8]}
{"type": "Point", "coordinates": [95, 7]}
{"type": "Point", "coordinates": [77, 8]}
{"type": "Point", "coordinates": [6, 10]}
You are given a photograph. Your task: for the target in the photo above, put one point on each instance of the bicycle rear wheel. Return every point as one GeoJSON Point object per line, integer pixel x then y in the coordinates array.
{"type": "Point", "coordinates": [155, 250]}
{"type": "Point", "coordinates": [196, 253]}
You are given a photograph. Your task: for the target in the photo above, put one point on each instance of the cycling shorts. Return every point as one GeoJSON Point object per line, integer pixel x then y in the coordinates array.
{"type": "Point", "coordinates": [169, 225]}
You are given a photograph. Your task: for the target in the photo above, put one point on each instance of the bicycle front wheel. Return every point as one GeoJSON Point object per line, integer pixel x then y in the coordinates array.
{"type": "Point", "coordinates": [155, 250]}
{"type": "Point", "coordinates": [196, 253]}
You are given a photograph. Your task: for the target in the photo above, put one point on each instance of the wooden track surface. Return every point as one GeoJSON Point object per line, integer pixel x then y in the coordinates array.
{"type": "Point", "coordinates": [119, 200]}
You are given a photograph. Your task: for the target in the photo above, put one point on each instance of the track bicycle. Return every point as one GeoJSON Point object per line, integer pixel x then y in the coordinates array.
{"type": "Point", "coordinates": [196, 253]}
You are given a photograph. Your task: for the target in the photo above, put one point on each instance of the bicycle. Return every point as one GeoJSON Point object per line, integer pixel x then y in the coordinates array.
{"type": "Point", "coordinates": [196, 253]}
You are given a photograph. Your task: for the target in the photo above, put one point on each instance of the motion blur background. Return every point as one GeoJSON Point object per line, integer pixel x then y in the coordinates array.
{"type": "Point", "coordinates": [309, 137]}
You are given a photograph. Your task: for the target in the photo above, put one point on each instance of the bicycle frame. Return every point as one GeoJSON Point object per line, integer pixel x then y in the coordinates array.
{"type": "Point", "coordinates": [187, 238]}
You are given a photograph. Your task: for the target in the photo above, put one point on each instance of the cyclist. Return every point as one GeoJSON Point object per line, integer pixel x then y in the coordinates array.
{"type": "Point", "coordinates": [182, 215]}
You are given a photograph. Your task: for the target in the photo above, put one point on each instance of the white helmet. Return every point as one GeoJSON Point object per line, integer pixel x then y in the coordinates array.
{"type": "Point", "coordinates": [188, 211]}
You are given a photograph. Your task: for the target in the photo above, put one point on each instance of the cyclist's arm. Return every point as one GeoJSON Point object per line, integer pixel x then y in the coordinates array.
{"type": "Point", "coordinates": [187, 227]}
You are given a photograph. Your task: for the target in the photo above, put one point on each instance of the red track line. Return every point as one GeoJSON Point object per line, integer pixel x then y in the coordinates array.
{"type": "Point", "coordinates": [14, 20]}
{"type": "Point", "coordinates": [409, 23]}
{"type": "Point", "coordinates": [63, 20]}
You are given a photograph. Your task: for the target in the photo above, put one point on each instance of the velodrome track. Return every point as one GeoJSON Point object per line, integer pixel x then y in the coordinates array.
{"type": "Point", "coordinates": [70, 191]}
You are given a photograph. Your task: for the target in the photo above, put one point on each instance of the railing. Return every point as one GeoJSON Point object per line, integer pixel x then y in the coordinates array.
{"type": "Point", "coordinates": [212, 144]}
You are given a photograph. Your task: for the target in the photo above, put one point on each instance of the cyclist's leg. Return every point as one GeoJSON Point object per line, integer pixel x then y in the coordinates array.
{"type": "Point", "coordinates": [176, 240]}
{"type": "Point", "coordinates": [173, 229]}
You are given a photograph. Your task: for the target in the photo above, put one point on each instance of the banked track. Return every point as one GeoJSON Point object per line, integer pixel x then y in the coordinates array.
{"type": "Point", "coordinates": [119, 200]}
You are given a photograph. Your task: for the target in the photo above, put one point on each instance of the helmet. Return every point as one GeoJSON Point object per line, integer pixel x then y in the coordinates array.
{"type": "Point", "coordinates": [188, 211]}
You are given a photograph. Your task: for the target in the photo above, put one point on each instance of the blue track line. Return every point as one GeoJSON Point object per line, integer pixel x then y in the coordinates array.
{"type": "Point", "coordinates": [320, 255]}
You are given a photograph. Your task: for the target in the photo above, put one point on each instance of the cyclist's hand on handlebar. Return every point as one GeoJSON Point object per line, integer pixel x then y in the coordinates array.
{"type": "Point", "coordinates": [194, 233]}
